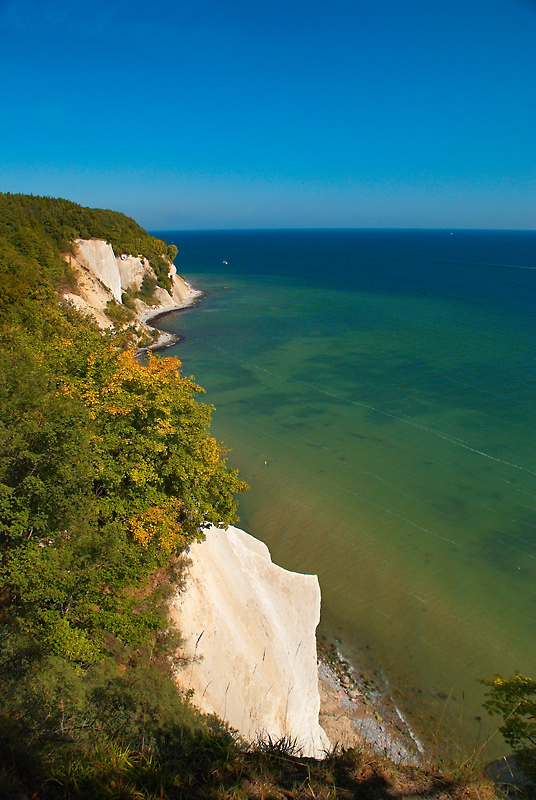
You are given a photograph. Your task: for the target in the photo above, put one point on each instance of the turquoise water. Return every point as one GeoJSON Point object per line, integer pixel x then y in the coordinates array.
{"type": "Point", "coordinates": [377, 391]}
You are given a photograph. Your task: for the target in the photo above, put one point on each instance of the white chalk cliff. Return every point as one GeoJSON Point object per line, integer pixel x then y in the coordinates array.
{"type": "Point", "coordinates": [249, 632]}
{"type": "Point", "coordinates": [98, 256]}
{"type": "Point", "coordinates": [131, 271]}
{"type": "Point", "coordinates": [103, 276]}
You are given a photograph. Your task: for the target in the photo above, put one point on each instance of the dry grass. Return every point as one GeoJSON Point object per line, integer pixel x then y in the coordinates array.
{"type": "Point", "coordinates": [356, 773]}
{"type": "Point", "coordinates": [219, 767]}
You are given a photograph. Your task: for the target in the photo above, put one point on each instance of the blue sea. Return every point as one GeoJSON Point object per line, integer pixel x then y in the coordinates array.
{"type": "Point", "coordinates": [377, 391]}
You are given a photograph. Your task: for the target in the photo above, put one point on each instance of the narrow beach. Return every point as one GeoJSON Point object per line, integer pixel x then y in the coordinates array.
{"type": "Point", "coordinates": [165, 339]}
{"type": "Point", "coordinates": [354, 711]}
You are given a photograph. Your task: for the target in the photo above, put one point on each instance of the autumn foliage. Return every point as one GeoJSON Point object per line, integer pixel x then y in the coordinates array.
{"type": "Point", "coordinates": [107, 472]}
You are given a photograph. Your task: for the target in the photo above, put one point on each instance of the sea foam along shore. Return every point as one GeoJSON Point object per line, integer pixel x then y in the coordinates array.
{"type": "Point", "coordinates": [353, 711]}
{"type": "Point", "coordinates": [166, 339]}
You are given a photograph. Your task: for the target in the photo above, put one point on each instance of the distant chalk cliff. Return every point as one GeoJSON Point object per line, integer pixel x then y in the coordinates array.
{"type": "Point", "coordinates": [102, 276]}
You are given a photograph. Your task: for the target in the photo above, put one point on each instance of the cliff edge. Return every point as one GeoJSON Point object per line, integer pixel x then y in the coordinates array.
{"type": "Point", "coordinates": [103, 277]}
{"type": "Point", "coordinates": [248, 629]}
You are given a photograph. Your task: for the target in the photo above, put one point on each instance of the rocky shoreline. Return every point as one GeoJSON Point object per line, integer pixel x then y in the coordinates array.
{"type": "Point", "coordinates": [354, 711]}
{"type": "Point", "coordinates": [166, 339]}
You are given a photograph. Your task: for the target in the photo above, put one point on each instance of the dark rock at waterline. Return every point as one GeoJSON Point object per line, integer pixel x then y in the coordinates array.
{"type": "Point", "coordinates": [508, 776]}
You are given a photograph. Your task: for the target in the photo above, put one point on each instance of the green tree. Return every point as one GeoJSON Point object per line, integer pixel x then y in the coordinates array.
{"type": "Point", "coordinates": [107, 469]}
{"type": "Point", "coordinates": [146, 291]}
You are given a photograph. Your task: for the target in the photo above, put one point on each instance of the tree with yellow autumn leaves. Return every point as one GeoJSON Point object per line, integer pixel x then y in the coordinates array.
{"type": "Point", "coordinates": [150, 479]}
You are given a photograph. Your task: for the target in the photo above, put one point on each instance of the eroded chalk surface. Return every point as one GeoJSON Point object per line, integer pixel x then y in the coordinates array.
{"type": "Point", "coordinates": [249, 632]}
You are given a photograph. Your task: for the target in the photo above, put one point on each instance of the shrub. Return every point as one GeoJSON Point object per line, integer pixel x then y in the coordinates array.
{"type": "Point", "coordinates": [118, 313]}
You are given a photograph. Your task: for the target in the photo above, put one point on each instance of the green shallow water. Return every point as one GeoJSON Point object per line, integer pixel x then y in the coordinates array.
{"type": "Point", "coordinates": [388, 443]}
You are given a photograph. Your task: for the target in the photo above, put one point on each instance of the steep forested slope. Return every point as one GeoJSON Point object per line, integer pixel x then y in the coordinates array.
{"type": "Point", "coordinates": [107, 470]}
{"type": "Point", "coordinates": [35, 230]}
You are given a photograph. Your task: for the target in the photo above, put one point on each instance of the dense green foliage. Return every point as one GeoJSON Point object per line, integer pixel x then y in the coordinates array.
{"type": "Point", "coordinates": [146, 291]}
{"type": "Point", "coordinates": [107, 471]}
{"type": "Point", "coordinates": [104, 473]}
{"type": "Point", "coordinates": [119, 313]}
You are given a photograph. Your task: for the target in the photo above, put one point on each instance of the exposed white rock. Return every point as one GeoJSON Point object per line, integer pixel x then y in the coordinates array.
{"type": "Point", "coordinates": [91, 296]}
{"type": "Point", "coordinates": [249, 631]}
{"type": "Point", "coordinates": [180, 289]}
{"type": "Point", "coordinates": [131, 271]}
{"type": "Point", "coordinates": [101, 277]}
{"type": "Point", "coordinates": [164, 298]}
{"type": "Point", "coordinates": [92, 306]}
{"type": "Point", "coordinates": [98, 256]}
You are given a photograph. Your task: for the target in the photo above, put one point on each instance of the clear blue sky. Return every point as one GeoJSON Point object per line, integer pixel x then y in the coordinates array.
{"type": "Point", "coordinates": [274, 113]}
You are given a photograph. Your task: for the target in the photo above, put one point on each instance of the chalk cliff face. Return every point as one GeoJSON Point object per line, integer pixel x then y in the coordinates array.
{"type": "Point", "coordinates": [98, 256]}
{"type": "Point", "coordinates": [93, 292]}
{"type": "Point", "coordinates": [102, 276]}
{"type": "Point", "coordinates": [180, 289]}
{"type": "Point", "coordinates": [249, 630]}
{"type": "Point", "coordinates": [131, 271]}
